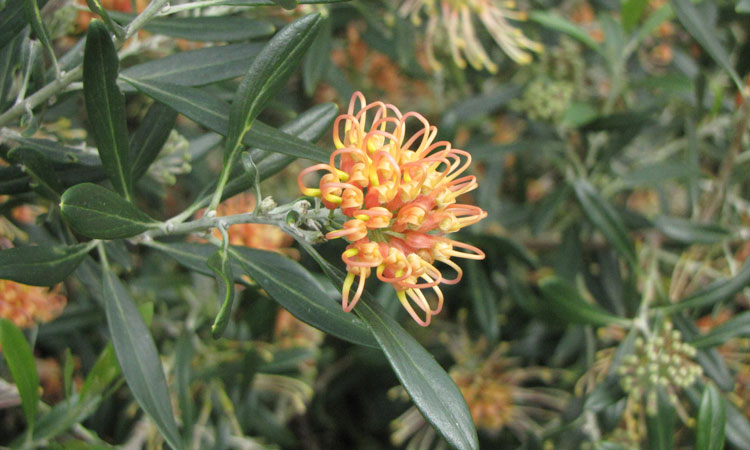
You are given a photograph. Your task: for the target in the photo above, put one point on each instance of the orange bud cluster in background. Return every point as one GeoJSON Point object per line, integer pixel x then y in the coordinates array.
{"type": "Point", "coordinates": [26, 305]}
{"type": "Point", "coordinates": [399, 192]}
{"type": "Point", "coordinates": [84, 17]}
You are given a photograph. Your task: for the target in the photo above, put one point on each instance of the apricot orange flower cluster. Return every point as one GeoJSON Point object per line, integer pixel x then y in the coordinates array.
{"type": "Point", "coordinates": [399, 190]}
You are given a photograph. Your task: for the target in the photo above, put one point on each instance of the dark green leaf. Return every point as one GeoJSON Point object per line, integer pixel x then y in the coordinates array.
{"type": "Point", "coordinates": [12, 21]}
{"type": "Point", "coordinates": [40, 169]}
{"type": "Point", "coordinates": [99, 213]}
{"type": "Point", "coordinates": [579, 114]}
{"type": "Point", "coordinates": [196, 67]}
{"type": "Point", "coordinates": [58, 153]}
{"type": "Point", "coordinates": [484, 300]}
{"type": "Point", "coordinates": [739, 325]}
{"type": "Point", "coordinates": [40, 265]}
{"type": "Point", "coordinates": [105, 106]}
{"type": "Point", "coordinates": [204, 29]}
{"type": "Point", "coordinates": [430, 387]}
{"type": "Point", "coordinates": [20, 360]}
{"type": "Point", "coordinates": [269, 72]}
{"type": "Point", "coordinates": [656, 174]}
{"type": "Point", "coordinates": [568, 305]}
{"type": "Point", "coordinates": [661, 424]}
{"type": "Point", "coordinates": [714, 293]}
{"type": "Point", "coordinates": [690, 232]}
{"type": "Point", "coordinates": [213, 113]}
{"type": "Point", "coordinates": [9, 62]}
{"type": "Point", "coordinates": [317, 59]}
{"type": "Point", "coordinates": [150, 137]}
{"type": "Point", "coordinates": [711, 420]}
{"type": "Point", "coordinates": [559, 23]}
{"type": "Point", "coordinates": [222, 269]}
{"type": "Point", "coordinates": [286, 281]}
{"type": "Point", "coordinates": [605, 219]}
{"type": "Point", "coordinates": [138, 357]}
{"type": "Point", "coordinates": [696, 24]}
{"type": "Point", "coordinates": [182, 369]}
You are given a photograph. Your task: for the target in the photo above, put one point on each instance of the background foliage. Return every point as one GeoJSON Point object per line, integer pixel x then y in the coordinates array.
{"type": "Point", "coordinates": [610, 312]}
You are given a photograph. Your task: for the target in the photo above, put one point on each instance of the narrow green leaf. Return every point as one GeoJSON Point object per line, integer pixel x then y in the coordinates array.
{"type": "Point", "coordinates": [661, 423]}
{"type": "Point", "coordinates": [68, 368]}
{"type": "Point", "coordinates": [213, 113]}
{"type": "Point", "coordinates": [559, 23]}
{"type": "Point", "coordinates": [150, 137]}
{"type": "Point", "coordinates": [105, 106]}
{"type": "Point", "coordinates": [138, 357]}
{"type": "Point", "coordinates": [605, 219]}
{"type": "Point", "coordinates": [269, 72]}
{"type": "Point", "coordinates": [711, 420]}
{"type": "Point", "coordinates": [713, 293]}
{"type": "Point", "coordinates": [738, 428]}
{"type": "Point", "coordinates": [705, 34]}
{"type": "Point", "coordinates": [286, 281]}
{"type": "Point", "coordinates": [12, 21]}
{"type": "Point", "coordinates": [222, 269]}
{"type": "Point", "coordinates": [58, 153]}
{"type": "Point", "coordinates": [40, 265]}
{"type": "Point", "coordinates": [308, 126]}
{"type": "Point", "coordinates": [690, 232]}
{"type": "Point", "coordinates": [9, 61]}
{"type": "Point", "coordinates": [20, 360]}
{"type": "Point", "coordinates": [204, 29]}
{"type": "Point", "coordinates": [40, 169]}
{"type": "Point", "coordinates": [99, 213]}
{"type": "Point", "coordinates": [631, 13]}
{"type": "Point", "coordinates": [434, 393]}
{"type": "Point", "coordinates": [484, 301]}
{"type": "Point", "coordinates": [739, 325]}
{"type": "Point", "coordinates": [197, 67]}
{"type": "Point", "coordinates": [567, 304]}
{"type": "Point", "coordinates": [317, 60]}
{"type": "Point", "coordinates": [183, 370]}
{"type": "Point", "coordinates": [96, 7]}
{"type": "Point", "coordinates": [34, 17]}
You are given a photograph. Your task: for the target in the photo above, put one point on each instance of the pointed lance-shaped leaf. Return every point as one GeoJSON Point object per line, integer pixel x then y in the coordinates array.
{"type": "Point", "coordinates": [40, 265]}
{"type": "Point", "coordinates": [99, 213]}
{"type": "Point", "coordinates": [138, 357]}
{"type": "Point", "coordinates": [269, 72]}
{"type": "Point", "coordinates": [105, 106]}
{"type": "Point", "coordinates": [20, 360]}
{"type": "Point", "coordinates": [433, 391]}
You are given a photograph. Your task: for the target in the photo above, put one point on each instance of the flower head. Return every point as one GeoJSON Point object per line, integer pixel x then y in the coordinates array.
{"type": "Point", "coordinates": [454, 19]}
{"type": "Point", "coordinates": [399, 191]}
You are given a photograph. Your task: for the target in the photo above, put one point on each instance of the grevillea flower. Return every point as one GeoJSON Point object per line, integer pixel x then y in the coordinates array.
{"type": "Point", "coordinates": [399, 191]}
{"type": "Point", "coordinates": [454, 20]}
